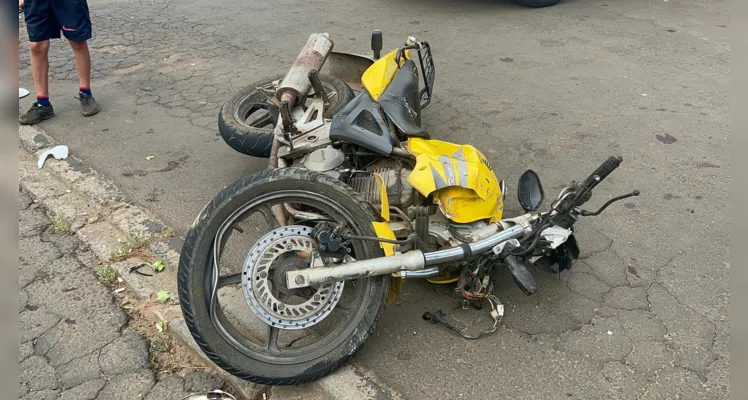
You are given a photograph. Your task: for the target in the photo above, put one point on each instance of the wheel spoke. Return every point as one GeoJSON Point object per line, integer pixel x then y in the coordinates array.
{"type": "Point", "coordinates": [269, 216]}
{"type": "Point", "coordinates": [230, 279]}
{"type": "Point", "coordinates": [262, 121]}
{"type": "Point", "coordinates": [272, 343]}
{"type": "Point", "coordinates": [246, 224]}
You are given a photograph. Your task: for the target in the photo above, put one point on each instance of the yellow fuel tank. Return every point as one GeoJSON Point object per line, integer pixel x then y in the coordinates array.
{"type": "Point", "coordinates": [461, 178]}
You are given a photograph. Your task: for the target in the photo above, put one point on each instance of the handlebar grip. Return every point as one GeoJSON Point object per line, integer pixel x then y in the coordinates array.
{"type": "Point", "coordinates": [602, 172]}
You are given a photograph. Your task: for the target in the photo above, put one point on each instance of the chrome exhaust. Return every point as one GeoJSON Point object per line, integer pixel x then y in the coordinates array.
{"type": "Point", "coordinates": [296, 84]}
{"type": "Point", "coordinates": [410, 264]}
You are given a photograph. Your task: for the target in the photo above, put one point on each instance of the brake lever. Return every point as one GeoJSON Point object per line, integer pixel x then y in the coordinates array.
{"type": "Point", "coordinates": [586, 213]}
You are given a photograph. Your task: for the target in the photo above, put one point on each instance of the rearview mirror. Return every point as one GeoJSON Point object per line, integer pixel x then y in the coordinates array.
{"type": "Point", "coordinates": [530, 191]}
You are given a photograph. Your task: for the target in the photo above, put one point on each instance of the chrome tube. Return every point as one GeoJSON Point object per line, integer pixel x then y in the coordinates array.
{"type": "Point", "coordinates": [444, 256]}
{"type": "Point", "coordinates": [410, 264]}
{"type": "Point", "coordinates": [410, 261]}
{"type": "Point", "coordinates": [423, 274]}
{"type": "Point", "coordinates": [466, 250]}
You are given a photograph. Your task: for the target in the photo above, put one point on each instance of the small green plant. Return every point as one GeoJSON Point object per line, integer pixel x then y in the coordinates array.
{"type": "Point", "coordinates": [155, 348]}
{"type": "Point", "coordinates": [59, 225]}
{"type": "Point", "coordinates": [162, 296]}
{"type": "Point", "coordinates": [165, 234]}
{"type": "Point", "coordinates": [158, 266]}
{"type": "Point", "coordinates": [128, 248]}
{"type": "Point", "coordinates": [106, 274]}
{"type": "Point", "coordinates": [160, 326]}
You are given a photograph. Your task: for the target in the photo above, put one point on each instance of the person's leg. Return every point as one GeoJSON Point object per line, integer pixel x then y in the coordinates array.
{"type": "Point", "coordinates": [82, 63]}
{"type": "Point", "coordinates": [41, 26]}
{"type": "Point", "coordinates": [40, 67]}
{"type": "Point", "coordinates": [76, 26]}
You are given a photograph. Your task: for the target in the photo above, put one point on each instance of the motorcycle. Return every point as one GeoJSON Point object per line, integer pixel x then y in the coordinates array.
{"type": "Point", "coordinates": [356, 202]}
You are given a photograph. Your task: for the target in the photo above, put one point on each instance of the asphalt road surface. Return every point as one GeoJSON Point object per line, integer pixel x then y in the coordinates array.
{"type": "Point", "coordinates": [556, 90]}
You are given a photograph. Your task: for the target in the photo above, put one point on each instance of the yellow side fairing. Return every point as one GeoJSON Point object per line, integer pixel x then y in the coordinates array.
{"type": "Point", "coordinates": [384, 231]}
{"type": "Point", "coordinates": [466, 188]}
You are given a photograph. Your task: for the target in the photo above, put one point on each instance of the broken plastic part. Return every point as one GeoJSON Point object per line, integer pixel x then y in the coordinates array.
{"type": "Point", "coordinates": [59, 152]}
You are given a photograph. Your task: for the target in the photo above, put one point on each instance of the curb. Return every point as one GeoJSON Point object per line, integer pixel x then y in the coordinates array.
{"type": "Point", "coordinates": [126, 235]}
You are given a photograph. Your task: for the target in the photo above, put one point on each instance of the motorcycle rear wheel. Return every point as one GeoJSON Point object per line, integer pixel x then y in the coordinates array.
{"type": "Point", "coordinates": [263, 363]}
{"type": "Point", "coordinates": [247, 132]}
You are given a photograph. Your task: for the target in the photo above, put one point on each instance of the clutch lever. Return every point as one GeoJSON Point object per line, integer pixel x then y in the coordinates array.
{"type": "Point", "coordinates": [586, 213]}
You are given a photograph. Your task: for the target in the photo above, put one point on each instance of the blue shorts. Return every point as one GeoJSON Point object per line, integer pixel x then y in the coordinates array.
{"type": "Point", "coordinates": [46, 18]}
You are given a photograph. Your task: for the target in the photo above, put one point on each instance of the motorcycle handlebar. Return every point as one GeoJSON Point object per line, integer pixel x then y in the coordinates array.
{"type": "Point", "coordinates": [601, 172]}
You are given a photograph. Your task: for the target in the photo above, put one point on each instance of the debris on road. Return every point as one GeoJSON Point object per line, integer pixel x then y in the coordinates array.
{"type": "Point", "coordinates": [59, 152]}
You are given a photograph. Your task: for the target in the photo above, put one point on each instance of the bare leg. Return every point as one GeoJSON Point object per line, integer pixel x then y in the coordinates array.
{"type": "Point", "coordinates": [40, 66]}
{"type": "Point", "coordinates": [82, 62]}
{"type": "Point", "coordinates": [83, 67]}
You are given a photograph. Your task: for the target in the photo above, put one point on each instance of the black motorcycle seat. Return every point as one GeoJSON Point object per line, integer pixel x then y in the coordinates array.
{"type": "Point", "coordinates": [401, 102]}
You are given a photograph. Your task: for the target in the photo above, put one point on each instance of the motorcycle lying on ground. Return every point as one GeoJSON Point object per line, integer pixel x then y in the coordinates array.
{"type": "Point", "coordinates": [356, 200]}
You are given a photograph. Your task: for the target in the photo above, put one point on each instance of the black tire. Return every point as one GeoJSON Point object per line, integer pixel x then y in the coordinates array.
{"type": "Point", "coordinates": [537, 3]}
{"type": "Point", "coordinates": [256, 141]}
{"type": "Point", "coordinates": [196, 261]}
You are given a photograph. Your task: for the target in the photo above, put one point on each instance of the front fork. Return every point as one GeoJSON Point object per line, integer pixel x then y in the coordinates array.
{"type": "Point", "coordinates": [404, 264]}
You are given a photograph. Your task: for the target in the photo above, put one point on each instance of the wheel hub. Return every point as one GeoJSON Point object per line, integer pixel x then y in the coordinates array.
{"type": "Point", "coordinates": [263, 279]}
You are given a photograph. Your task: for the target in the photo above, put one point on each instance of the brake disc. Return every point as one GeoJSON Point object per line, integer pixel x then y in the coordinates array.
{"type": "Point", "coordinates": [264, 258]}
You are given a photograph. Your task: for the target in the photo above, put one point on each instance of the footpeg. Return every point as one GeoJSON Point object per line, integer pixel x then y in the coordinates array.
{"type": "Point", "coordinates": [521, 275]}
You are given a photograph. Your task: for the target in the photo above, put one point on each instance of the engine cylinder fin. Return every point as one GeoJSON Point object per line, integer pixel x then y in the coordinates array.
{"type": "Point", "coordinates": [399, 192]}
{"type": "Point", "coordinates": [365, 184]}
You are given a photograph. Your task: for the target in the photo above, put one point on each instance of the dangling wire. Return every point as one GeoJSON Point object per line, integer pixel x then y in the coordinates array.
{"type": "Point", "coordinates": [497, 312]}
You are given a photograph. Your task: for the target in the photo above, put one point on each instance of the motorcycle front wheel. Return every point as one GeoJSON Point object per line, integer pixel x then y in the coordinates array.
{"type": "Point", "coordinates": [243, 317]}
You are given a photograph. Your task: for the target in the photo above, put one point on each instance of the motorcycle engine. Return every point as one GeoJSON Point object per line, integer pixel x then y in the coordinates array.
{"type": "Point", "coordinates": [399, 192]}
{"type": "Point", "coordinates": [326, 160]}
{"type": "Point", "coordinates": [333, 162]}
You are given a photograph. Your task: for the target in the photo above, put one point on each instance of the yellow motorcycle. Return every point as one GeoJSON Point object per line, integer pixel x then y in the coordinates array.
{"type": "Point", "coordinates": [353, 203]}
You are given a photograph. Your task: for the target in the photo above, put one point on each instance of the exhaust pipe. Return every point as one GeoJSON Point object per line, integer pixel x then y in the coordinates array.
{"type": "Point", "coordinates": [410, 264]}
{"type": "Point", "coordinates": [296, 84]}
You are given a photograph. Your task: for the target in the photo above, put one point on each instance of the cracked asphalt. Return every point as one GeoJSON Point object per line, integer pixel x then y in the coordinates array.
{"type": "Point", "coordinates": [643, 315]}
{"type": "Point", "coordinates": [74, 341]}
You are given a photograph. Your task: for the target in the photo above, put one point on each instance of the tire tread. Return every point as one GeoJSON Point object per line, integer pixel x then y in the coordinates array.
{"type": "Point", "coordinates": [257, 142]}
{"type": "Point", "coordinates": [185, 262]}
